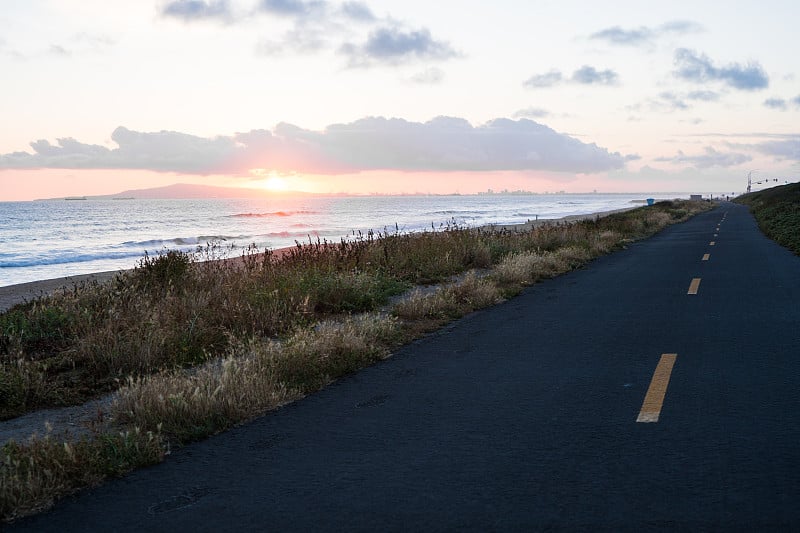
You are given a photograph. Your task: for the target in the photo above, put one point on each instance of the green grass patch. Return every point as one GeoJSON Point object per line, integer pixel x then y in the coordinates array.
{"type": "Point", "coordinates": [777, 211]}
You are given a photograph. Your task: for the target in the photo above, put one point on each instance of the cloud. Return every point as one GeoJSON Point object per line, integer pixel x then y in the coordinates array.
{"type": "Point", "coordinates": [322, 25]}
{"type": "Point", "coordinates": [781, 104]}
{"type": "Point", "coordinates": [680, 27]}
{"type": "Point", "coordinates": [293, 8]}
{"type": "Point", "coordinates": [643, 35]}
{"type": "Point", "coordinates": [392, 45]}
{"type": "Point", "coordinates": [672, 101]}
{"type": "Point", "coordinates": [700, 69]}
{"type": "Point", "coordinates": [703, 96]}
{"type": "Point", "coordinates": [586, 75]}
{"type": "Point", "coordinates": [617, 35]}
{"type": "Point", "coordinates": [669, 100]}
{"type": "Point", "coordinates": [357, 11]}
{"type": "Point", "coordinates": [429, 76]}
{"type": "Point", "coordinates": [759, 134]}
{"type": "Point", "coordinates": [776, 103]}
{"type": "Point", "coordinates": [373, 143]}
{"type": "Point", "coordinates": [192, 10]}
{"type": "Point", "coordinates": [59, 51]}
{"type": "Point", "coordinates": [548, 79]}
{"type": "Point", "coordinates": [781, 146]}
{"type": "Point", "coordinates": [785, 149]}
{"type": "Point", "coordinates": [532, 112]}
{"type": "Point", "coordinates": [297, 41]}
{"type": "Point", "coordinates": [711, 158]}
{"type": "Point", "coordinates": [164, 151]}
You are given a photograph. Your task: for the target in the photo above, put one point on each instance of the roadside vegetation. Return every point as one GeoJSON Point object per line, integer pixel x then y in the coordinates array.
{"type": "Point", "coordinates": [194, 346]}
{"type": "Point", "coordinates": [777, 211]}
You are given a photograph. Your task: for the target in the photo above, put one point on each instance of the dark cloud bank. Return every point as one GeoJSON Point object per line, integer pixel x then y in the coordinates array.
{"type": "Point", "coordinates": [373, 143]}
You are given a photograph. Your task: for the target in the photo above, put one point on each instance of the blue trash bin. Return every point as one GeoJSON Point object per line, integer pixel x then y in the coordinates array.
{"type": "Point", "coordinates": [650, 201]}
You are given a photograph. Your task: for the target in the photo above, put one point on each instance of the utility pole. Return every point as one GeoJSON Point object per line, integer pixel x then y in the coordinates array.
{"type": "Point", "coordinates": [750, 181]}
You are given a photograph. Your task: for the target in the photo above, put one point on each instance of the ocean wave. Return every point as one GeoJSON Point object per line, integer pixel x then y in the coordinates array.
{"type": "Point", "coordinates": [181, 241]}
{"type": "Point", "coordinates": [62, 259]}
{"type": "Point", "coordinates": [460, 212]}
{"type": "Point", "coordinates": [273, 214]}
{"type": "Point", "coordinates": [131, 249]}
{"type": "Point", "coordinates": [291, 234]}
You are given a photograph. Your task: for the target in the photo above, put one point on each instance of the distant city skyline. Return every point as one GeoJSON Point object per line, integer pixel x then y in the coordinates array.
{"type": "Point", "coordinates": [382, 96]}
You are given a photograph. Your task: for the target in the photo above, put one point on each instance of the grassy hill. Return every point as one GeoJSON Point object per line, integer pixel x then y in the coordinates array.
{"type": "Point", "coordinates": [777, 211]}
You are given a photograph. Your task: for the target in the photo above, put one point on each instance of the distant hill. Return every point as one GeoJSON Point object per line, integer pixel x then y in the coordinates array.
{"type": "Point", "coordinates": [189, 191]}
{"type": "Point", "coordinates": [180, 191]}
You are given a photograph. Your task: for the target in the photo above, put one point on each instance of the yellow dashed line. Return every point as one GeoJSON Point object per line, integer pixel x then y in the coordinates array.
{"type": "Point", "coordinates": [694, 286]}
{"type": "Point", "coordinates": [706, 257]}
{"type": "Point", "coordinates": [654, 399]}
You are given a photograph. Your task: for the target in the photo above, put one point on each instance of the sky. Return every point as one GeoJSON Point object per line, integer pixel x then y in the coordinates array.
{"type": "Point", "coordinates": [390, 96]}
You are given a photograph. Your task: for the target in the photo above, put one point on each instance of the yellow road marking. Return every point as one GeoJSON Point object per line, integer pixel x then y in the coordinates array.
{"type": "Point", "coordinates": [706, 257]}
{"type": "Point", "coordinates": [711, 243]}
{"type": "Point", "coordinates": [654, 399]}
{"type": "Point", "coordinates": [694, 286]}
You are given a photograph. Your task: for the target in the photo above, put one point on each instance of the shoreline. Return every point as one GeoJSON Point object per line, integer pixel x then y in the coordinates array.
{"type": "Point", "coordinates": [11, 295]}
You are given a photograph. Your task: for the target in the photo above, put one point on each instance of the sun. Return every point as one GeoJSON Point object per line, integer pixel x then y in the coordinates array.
{"type": "Point", "coordinates": [271, 180]}
{"type": "Point", "coordinates": [275, 183]}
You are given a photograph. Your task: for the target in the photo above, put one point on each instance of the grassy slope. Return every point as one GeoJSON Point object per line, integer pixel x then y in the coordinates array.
{"type": "Point", "coordinates": [777, 211]}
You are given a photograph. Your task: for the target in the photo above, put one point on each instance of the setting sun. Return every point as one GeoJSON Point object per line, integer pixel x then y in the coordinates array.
{"type": "Point", "coordinates": [271, 181]}
{"type": "Point", "coordinates": [275, 183]}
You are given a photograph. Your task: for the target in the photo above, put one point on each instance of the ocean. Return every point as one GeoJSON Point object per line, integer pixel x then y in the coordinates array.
{"type": "Point", "coordinates": [55, 238]}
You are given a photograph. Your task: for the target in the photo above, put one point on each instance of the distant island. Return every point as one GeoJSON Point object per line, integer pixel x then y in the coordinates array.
{"type": "Point", "coordinates": [187, 191]}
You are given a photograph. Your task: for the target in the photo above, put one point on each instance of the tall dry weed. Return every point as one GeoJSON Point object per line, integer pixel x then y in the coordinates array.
{"type": "Point", "coordinates": [449, 301]}
{"type": "Point", "coordinates": [253, 378]}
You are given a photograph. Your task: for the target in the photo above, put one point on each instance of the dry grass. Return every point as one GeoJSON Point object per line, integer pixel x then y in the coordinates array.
{"type": "Point", "coordinates": [524, 268]}
{"type": "Point", "coordinates": [255, 377]}
{"type": "Point", "coordinates": [35, 473]}
{"type": "Point", "coordinates": [449, 301]}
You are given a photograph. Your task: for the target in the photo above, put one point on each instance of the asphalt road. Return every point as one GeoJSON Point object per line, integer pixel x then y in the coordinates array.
{"type": "Point", "coordinates": [524, 416]}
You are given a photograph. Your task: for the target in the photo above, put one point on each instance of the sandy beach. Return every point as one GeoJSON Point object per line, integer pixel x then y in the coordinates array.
{"type": "Point", "coordinates": [15, 294]}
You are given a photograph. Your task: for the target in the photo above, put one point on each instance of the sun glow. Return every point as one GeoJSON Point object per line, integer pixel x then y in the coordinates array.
{"type": "Point", "coordinates": [271, 180]}
{"type": "Point", "coordinates": [275, 183]}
